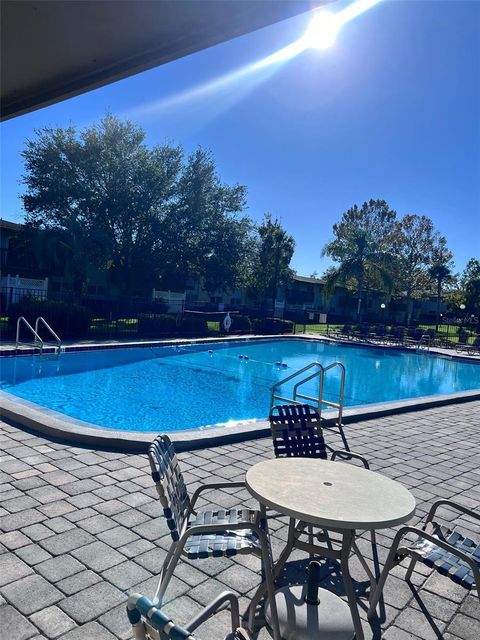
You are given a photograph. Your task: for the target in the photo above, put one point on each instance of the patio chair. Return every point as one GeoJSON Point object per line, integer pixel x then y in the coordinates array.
{"type": "Point", "coordinates": [196, 534]}
{"type": "Point", "coordinates": [296, 433]}
{"type": "Point", "coordinates": [446, 550]}
{"type": "Point", "coordinates": [396, 335]}
{"type": "Point", "coordinates": [474, 347]}
{"type": "Point", "coordinates": [150, 623]}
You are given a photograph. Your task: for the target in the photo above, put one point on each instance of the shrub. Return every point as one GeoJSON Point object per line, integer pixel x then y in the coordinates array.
{"type": "Point", "coordinates": [194, 326]}
{"type": "Point", "coordinates": [67, 320]}
{"type": "Point", "coordinates": [462, 336]}
{"type": "Point", "coordinates": [154, 324]}
{"type": "Point", "coordinates": [272, 325]}
{"type": "Point", "coordinates": [240, 323]}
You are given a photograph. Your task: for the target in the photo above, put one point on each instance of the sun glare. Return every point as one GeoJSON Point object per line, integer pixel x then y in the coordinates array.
{"type": "Point", "coordinates": [322, 31]}
{"type": "Point", "coordinates": [321, 34]}
{"type": "Point", "coordinates": [325, 25]}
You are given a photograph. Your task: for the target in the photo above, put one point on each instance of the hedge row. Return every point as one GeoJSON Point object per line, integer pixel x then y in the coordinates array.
{"type": "Point", "coordinates": [67, 320]}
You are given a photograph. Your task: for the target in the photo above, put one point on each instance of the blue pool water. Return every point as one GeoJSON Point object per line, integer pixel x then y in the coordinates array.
{"type": "Point", "coordinates": [166, 389]}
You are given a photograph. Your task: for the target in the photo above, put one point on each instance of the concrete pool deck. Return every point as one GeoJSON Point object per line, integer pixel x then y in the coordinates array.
{"type": "Point", "coordinates": [78, 526]}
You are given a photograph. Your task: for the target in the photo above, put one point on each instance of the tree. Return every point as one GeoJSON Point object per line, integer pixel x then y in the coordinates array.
{"type": "Point", "coordinates": [106, 190]}
{"type": "Point", "coordinates": [414, 245]}
{"type": "Point", "coordinates": [441, 269]}
{"type": "Point", "coordinates": [207, 238]}
{"type": "Point", "coordinates": [271, 263]}
{"type": "Point", "coordinates": [143, 214]}
{"type": "Point", "coordinates": [363, 247]}
{"type": "Point", "coordinates": [470, 285]}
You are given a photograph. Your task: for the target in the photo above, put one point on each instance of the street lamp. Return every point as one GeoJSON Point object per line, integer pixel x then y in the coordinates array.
{"type": "Point", "coordinates": [383, 306]}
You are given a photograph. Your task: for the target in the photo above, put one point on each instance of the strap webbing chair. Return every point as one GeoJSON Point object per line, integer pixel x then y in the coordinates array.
{"type": "Point", "coordinates": [150, 623]}
{"type": "Point", "coordinates": [203, 534]}
{"type": "Point", "coordinates": [446, 550]}
{"type": "Point", "coordinates": [296, 431]}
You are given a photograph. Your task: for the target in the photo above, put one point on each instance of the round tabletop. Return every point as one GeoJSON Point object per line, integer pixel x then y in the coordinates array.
{"type": "Point", "coordinates": [330, 494]}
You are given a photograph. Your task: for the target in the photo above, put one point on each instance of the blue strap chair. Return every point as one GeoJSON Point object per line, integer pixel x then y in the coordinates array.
{"type": "Point", "coordinates": [150, 623]}
{"type": "Point", "coordinates": [297, 432]}
{"type": "Point", "coordinates": [447, 551]}
{"type": "Point", "coordinates": [203, 534]}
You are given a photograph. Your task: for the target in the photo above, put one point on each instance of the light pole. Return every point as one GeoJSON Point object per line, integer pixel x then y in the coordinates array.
{"type": "Point", "coordinates": [383, 306]}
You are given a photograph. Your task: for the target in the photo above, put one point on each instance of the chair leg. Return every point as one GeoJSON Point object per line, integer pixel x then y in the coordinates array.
{"type": "Point", "coordinates": [267, 563]}
{"type": "Point", "coordinates": [173, 557]}
{"type": "Point", "coordinates": [389, 564]}
{"type": "Point", "coordinates": [410, 569]}
{"type": "Point", "coordinates": [310, 539]}
{"type": "Point", "coordinates": [347, 581]}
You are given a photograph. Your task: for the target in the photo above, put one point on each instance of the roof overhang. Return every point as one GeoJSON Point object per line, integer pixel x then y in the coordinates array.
{"type": "Point", "coordinates": [55, 49]}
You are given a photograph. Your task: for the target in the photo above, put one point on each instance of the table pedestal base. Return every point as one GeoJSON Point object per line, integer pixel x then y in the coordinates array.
{"type": "Point", "coordinates": [329, 620]}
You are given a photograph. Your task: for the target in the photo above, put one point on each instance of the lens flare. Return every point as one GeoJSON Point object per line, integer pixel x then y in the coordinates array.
{"type": "Point", "coordinates": [322, 31]}
{"type": "Point", "coordinates": [320, 34]}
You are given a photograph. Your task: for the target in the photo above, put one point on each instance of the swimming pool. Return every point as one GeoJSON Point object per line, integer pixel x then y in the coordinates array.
{"type": "Point", "coordinates": [170, 388]}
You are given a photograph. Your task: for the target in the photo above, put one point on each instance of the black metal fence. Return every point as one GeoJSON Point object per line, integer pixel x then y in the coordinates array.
{"type": "Point", "coordinates": [441, 334]}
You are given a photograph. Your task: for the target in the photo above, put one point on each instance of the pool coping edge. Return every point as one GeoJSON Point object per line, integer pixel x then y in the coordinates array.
{"type": "Point", "coordinates": [38, 419]}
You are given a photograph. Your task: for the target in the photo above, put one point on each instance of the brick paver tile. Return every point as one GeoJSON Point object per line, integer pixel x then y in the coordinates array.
{"type": "Point", "coordinates": [58, 568]}
{"type": "Point", "coordinates": [12, 568]}
{"type": "Point", "coordinates": [52, 622]}
{"type": "Point", "coordinates": [15, 521]}
{"type": "Point", "coordinates": [90, 631]}
{"type": "Point", "coordinates": [14, 625]}
{"type": "Point", "coordinates": [31, 594]}
{"type": "Point", "coordinates": [32, 554]}
{"type": "Point", "coordinates": [66, 541]}
{"type": "Point", "coordinates": [14, 540]}
{"type": "Point", "coordinates": [126, 574]}
{"type": "Point", "coordinates": [465, 627]}
{"type": "Point", "coordinates": [78, 582]}
{"type": "Point", "coordinates": [90, 603]}
{"type": "Point", "coordinates": [98, 556]}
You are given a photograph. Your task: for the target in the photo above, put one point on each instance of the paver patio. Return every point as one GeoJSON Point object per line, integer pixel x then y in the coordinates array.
{"type": "Point", "coordinates": [78, 527]}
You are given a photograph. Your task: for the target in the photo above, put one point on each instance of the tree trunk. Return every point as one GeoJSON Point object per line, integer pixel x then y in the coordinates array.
{"type": "Point", "coordinates": [439, 294]}
{"type": "Point", "coordinates": [360, 300]}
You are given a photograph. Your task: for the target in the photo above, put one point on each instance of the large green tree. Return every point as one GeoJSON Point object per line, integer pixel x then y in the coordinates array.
{"type": "Point", "coordinates": [107, 190]}
{"type": "Point", "coordinates": [363, 248]}
{"type": "Point", "coordinates": [270, 266]}
{"type": "Point", "coordinates": [414, 245]}
{"type": "Point", "coordinates": [441, 270]}
{"type": "Point", "coordinates": [143, 213]}
{"type": "Point", "coordinates": [470, 286]}
{"type": "Point", "coordinates": [208, 237]}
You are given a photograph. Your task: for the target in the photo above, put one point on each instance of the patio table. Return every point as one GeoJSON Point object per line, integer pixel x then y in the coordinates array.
{"type": "Point", "coordinates": [336, 497]}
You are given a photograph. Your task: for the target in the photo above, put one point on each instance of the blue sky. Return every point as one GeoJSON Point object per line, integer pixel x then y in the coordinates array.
{"type": "Point", "coordinates": [390, 111]}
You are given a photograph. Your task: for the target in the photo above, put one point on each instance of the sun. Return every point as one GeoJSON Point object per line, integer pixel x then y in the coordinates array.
{"type": "Point", "coordinates": [322, 30]}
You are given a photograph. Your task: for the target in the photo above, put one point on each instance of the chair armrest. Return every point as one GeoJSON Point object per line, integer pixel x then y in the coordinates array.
{"type": "Point", "coordinates": [213, 607]}
{"type": "Point", "coordinates": [452, 505]}
{"type": "Point", "coordinates": [439, 543]}
{"type": "Point", "coordinates": [348, 455]}
{"type": "Point", "coordinates": [213, 485]}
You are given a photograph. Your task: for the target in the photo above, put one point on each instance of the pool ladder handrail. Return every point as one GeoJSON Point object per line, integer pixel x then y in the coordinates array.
{"type": "Point", "coordinates": [424, 342]}
{"type": "Point", "coordinates": [37, 341]}
{"type": "Point", "coordinates": [319, 401]}
{"type": "Point", "coordinates": [41, 320]}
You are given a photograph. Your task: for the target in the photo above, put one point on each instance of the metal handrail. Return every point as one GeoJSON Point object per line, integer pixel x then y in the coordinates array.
{"type": "Point", "coordinates": [319, 401]}
{"type": "Point", "coordinates": [37, 341]}
{"type": "Point", "coordinates": [49, 328]}
{"type": "Point", "coordinates": [425, 341]}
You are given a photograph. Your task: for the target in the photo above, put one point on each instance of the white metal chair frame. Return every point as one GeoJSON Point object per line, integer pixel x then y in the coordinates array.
{"type": "Point", "coordinates": [400, 552]}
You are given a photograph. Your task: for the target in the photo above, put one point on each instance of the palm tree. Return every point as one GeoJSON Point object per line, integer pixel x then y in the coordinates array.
{"type": "Point", "coordinates": [363, 247]}
{"type": "Point", "coordinates": [441, 274]}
